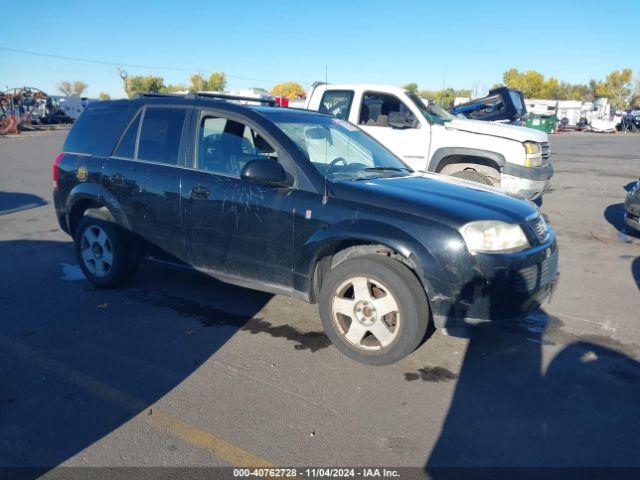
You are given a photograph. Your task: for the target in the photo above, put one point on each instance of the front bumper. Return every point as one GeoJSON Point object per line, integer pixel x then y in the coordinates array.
{"type": "Point", "coordinates": [523, 187]}
{"type": "Point", "coordinates": [503, 288]}
{"type": "Point", "coordinates": [525, 182]}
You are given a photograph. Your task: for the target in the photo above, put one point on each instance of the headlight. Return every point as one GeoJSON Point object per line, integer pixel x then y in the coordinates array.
{"type": "Point", "coordinates": [533, 157]}
{"type": "Point", "coordinates": [493, 236]}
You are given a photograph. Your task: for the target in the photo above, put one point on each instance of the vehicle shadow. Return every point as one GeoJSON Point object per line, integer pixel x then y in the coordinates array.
{"type": "Point", "coordinates": [614, 214]}
{"type": "Point", "coordinates": [78, 363]}
{"type": "Point", "coordinates": [635, 271]}
{"type": "Point", "coordinates": [530, 396]}
{"type": "Point", "coordinates": [11, 202]}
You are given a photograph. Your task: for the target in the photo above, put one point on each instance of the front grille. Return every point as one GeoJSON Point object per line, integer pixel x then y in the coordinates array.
{"type": "Point", "coordinates": [546, 152]}
{"type": "Point", "coordinates": [539, 228]}
{"type": "Point", "coordinates": [529, 278]}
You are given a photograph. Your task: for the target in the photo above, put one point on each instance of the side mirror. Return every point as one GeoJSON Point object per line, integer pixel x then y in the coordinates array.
{"type": "Point", "coordinates": [265, 171]}
{"type": "Point", "coordinates": [401, 120]}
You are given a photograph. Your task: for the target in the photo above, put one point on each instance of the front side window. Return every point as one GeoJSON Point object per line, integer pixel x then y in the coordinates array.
{"type": "Point", "coordinates": [385, 110]}
{"type": "Point", "coordinates": [338, 149]}
{"type": "Point", "coordinates": [160, 134]}
{"type": "Point", "coordinates": [336, 103]}
{"type": "Point", "coordinates": [225, 146]}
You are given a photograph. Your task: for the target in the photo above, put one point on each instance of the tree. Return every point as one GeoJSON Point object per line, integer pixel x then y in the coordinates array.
{"type": "Point", "coordinates": [216, 82]}
{"type": "Point", "coordinates": [74, 89]}
{"type": "Point", "coordinates": [530, 83]}
{"type": "Point", "coordinates": [289, 90]}
{"type": "Point", "coordinates": [616, 87]}
{"type": "Point", "coordinates": [143, 84]}
{"type": "Point", "coordinates": [174, 88]}
{"type": "Point", "coordinates": [104, 96]}
{"type": "Point", "coordinates": [412, 87]}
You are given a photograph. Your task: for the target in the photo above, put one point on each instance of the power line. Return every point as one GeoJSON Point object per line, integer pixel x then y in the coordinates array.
{"type": "Point", "coordinates": [128, 65]}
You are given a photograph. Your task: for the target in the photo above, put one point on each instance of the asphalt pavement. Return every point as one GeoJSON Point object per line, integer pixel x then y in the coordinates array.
{"type": "Point", "coordinates": [177, 369]}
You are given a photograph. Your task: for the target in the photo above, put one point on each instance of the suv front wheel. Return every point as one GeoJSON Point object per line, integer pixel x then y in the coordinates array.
{"type": "Point", "coordinates": [373, 309]}
{"type": "Point", "coordinates": [102, 252]}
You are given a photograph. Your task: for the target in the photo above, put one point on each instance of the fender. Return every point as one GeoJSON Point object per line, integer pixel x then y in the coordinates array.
{"type": "Point", "coordinates": [324, 242]}
{"type": "Point", "coordinates": [92, 191]}
{"type": "Point", "coordinates": [444, 152]}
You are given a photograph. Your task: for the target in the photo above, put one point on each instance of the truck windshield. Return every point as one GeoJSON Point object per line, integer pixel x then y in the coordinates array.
{"type": "Point", "coordinates": [432, 112]}
{"type": "Point", "coordinates": [340, 150]}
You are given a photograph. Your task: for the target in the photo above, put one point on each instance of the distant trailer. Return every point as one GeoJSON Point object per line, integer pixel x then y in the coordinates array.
{"type": "Point", "coordinates": [71, 106]}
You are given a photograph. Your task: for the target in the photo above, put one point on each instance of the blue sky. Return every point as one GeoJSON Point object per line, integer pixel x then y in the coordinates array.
{"type": "Point", "coordinates": [459, 43]}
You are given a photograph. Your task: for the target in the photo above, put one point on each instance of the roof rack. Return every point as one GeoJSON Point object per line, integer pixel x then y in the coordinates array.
{"type": "Point", "coordinates": [221, 96]}
{"type": "Point", "coordinates": [158, 94]}
{"type": "Point", "coordinates": [226, 96]}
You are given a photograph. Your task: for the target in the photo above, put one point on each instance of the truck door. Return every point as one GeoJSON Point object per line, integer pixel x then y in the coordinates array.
{"type": "Point", "coordinates": [394, 124]}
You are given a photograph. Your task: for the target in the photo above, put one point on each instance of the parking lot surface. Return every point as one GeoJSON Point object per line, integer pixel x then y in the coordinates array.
{"type": "Point", "coordinates": [179, 369]}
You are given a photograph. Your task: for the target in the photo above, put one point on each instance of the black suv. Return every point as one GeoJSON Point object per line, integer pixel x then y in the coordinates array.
{"type": "Point", "coordinates": [298, 203]}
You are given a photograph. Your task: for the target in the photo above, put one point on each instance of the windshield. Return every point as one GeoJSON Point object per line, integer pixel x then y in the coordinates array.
{"type": "Point", "coordinates": [340, 150]}
{"type": "Point", "coordinates": [430, 110]}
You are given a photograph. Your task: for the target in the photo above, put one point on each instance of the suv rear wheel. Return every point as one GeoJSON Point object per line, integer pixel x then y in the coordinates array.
{"type": "Point", "coordinates": [102, 253]}
{"type": "Point", "coordinates": [373, 309]}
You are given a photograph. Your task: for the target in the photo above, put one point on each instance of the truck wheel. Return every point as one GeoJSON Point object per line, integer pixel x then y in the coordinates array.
{"type": "Point", "coordinates": [102, 253]}
{"type": "Point", "coordinates": [473, 176]}
{"type": "Point", "coordinates": [373, 309]}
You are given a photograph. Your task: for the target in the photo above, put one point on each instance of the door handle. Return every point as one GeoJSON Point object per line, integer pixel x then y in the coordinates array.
{"type": "Point", "coordinates": [200, 192]}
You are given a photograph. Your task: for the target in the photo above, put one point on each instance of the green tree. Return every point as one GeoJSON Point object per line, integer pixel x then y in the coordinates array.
{"type": "Point", "coordinates": [289, 90]}
{"type": "Point", "coordinates": [74, 89]}
{"type": "Point", "coordinates": [412, 87]}
{"type": "Point", "coordinates": [216, 82]}
{"type": "Point", "coordinates": [104, 96]}
{"type": "Point", "coordinates": [143, 84]}
{"type": "Point", "coordinates": [174, 88]}
{"type": "Point", "coordinates": [616, 87]}
{"type": "Point", "coordinates": [530, 83]}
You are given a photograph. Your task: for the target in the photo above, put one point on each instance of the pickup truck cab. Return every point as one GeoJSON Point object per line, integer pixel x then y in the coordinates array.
{"type": "Point", "coordinates": [512, 158]}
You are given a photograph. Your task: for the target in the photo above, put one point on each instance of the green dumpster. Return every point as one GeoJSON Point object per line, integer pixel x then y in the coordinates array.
{"type": "Point", "coordinates": [546, 123]}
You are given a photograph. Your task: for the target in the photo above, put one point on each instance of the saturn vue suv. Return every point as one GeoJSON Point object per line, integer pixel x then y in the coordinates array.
{"type": "Point", "coordinates": [298, 203]}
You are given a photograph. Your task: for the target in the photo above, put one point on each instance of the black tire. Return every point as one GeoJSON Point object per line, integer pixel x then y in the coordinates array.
{"type": "Point", "coordinates": [474, 176]}
{"type": "Point", "coordinates": [122, 266]}
{"type": "Point", "coordinates": [411, 299]}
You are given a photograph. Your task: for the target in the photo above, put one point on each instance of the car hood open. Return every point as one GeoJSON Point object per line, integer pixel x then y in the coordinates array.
{"type": "Point", "coordinates": [512, 132]}
{"type": "Point", "coordinates": [444, 199]}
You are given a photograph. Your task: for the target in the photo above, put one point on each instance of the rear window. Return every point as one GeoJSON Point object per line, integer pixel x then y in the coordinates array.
{"type": "Point", "coordinates": [98, 129]}
{"type": "Point", "coordinates": [160, 134]}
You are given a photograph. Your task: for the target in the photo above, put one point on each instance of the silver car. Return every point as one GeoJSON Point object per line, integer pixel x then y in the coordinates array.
{"type": "Point", "coordinates": [632, 207]}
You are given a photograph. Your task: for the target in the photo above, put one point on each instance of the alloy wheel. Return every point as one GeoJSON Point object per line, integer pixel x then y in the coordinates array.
{"type": "Point", "coordinates": [366, 313]}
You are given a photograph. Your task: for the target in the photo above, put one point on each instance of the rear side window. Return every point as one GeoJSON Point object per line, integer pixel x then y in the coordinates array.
{"type": "Point", "coordinates": [98, 129]}
{"type": "Point", "coordinates": [127, 146]}
{"type": "Point", "coordinates": [336, 103]}
{"type": "Point", "coordinates": [160, 134]}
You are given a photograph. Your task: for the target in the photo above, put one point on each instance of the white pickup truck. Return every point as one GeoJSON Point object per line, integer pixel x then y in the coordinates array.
{"type": "Point", "coordinates": [428, 138]}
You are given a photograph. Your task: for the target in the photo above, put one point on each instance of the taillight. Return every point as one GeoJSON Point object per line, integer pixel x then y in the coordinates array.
{"type": "Point", "coordinates": [56, 170]}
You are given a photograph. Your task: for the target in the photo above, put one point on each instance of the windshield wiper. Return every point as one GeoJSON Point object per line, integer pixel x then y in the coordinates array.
{"type": "Point", "coordinates": [386, 169]}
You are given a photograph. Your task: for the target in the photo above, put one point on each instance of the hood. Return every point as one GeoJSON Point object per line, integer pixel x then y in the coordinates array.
{"type": "Point", "coordinates": [512, 132]}
{"type": "Point", "coordinates": [441, 198]}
